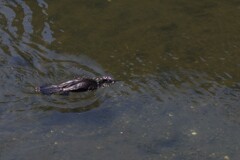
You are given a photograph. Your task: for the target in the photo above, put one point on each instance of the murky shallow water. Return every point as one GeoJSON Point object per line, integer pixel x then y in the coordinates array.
{"type": "Point", "coordinates": [179, 65]}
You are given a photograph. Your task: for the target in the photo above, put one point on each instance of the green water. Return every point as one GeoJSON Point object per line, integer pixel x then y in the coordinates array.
{"type": "Point", "coordinates": [179, 66]}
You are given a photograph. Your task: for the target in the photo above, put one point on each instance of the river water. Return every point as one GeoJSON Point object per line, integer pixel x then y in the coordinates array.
{"type": "Point", "coordinates": [179, 66]}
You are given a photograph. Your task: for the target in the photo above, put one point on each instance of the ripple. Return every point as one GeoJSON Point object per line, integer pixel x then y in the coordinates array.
{"type": "Point", "coordinates": [9, 15]}
{"type": "Point", "coordinates": [27, 62]}
{"type": "Point", "coordinates": [191, 86]}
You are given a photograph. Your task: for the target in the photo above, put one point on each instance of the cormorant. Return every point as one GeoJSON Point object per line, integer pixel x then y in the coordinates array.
{"type": "Point", "coordinates": [76, 85]}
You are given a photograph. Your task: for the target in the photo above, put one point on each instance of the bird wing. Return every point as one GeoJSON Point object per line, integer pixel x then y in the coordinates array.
{"type": "Point", "coordinates": [80, 86]}
{"type": "Point", "coordinates": [70, 83]}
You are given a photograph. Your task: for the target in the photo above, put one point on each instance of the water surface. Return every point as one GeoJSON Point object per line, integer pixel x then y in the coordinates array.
{"type": "Point", "coordinates": [178, 63]}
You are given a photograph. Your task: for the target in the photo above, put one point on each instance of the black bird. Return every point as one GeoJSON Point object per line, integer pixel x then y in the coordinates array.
{"type": "Point", "coordinates": [76, 85]}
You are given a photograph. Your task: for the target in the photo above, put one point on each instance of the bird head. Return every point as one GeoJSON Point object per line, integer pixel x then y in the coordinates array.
{"type": "Point", "coordinates": [105, 81]}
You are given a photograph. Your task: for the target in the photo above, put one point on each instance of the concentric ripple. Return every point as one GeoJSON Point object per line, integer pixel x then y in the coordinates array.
{"type": "Point", "coordinates": [27, 62]}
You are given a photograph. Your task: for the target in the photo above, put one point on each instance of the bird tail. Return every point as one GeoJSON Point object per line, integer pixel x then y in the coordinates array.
{"type": "Point", "coordinates": [50, 89]}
